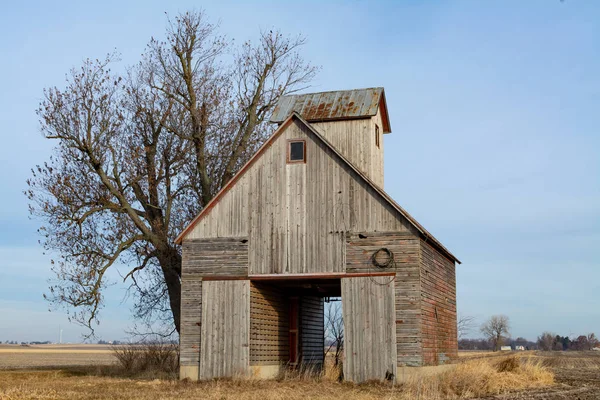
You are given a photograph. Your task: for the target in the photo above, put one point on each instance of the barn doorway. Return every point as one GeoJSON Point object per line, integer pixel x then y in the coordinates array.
{"type": "Point", "coordinates": [334, 332]}
{"type": "Point", "coordinates": [287, 322]}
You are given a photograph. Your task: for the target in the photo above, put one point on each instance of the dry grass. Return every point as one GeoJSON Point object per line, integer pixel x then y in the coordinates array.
{"type": "Point", "coordinates": [468, 379]}
{"type": "Point", "coordinates": [482, 377]}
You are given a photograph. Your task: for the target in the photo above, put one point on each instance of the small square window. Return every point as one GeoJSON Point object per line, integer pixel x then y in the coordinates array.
{"type": "Point", "coordinates": [377, 135]}
{"type": "Point", "coordinates": [296, 152]}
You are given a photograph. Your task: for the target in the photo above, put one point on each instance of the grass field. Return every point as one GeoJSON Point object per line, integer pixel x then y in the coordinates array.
{"type": "Point", "coordinates": [489, 375]}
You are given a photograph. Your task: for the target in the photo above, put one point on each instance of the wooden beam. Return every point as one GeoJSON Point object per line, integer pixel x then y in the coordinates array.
{"type": "Point", "coordinates": [281, 277]}
{"type": "Point", "coordinates": [224, 278]}
{"type": "Point", "coordinates": [291, 277]}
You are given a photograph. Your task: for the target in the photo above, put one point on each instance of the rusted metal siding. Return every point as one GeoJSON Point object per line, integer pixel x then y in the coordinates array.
{"type": "Point", "coordinates": [406, 282]}
{"type": "Point", "coordinates": [297, 214]}
{"type": "Point", "coordinates": [269, 325]}
{"type": "Point", "coordinates": [438, 306]}
{"type": "Point", "coordinates": [369, 328]}
{"type": "Point", "coordinates": [225, 329]}
{"type": "Point", "coordinates": [337, 105]}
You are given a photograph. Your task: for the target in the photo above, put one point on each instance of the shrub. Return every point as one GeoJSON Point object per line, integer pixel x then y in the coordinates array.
{"type": "Point", "coordinates": [150, 359]}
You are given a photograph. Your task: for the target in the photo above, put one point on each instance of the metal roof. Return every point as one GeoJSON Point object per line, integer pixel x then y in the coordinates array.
{"type": "Point", "coordinates": [329, 106]}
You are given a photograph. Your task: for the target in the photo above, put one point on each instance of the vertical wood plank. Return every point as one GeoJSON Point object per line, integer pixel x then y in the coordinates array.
{"type": "Point", "coordinates": [225, 329]}
{"type": "Point", "coordinates": [368, 304]}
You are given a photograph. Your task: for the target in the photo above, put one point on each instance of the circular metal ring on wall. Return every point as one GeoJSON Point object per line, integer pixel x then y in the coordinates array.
{"type": "Point", "coordinates": [382, 258]}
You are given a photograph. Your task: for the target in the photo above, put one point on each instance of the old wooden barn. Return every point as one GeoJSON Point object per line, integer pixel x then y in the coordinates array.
{"type": "Point", "coordinates": [306, 219]}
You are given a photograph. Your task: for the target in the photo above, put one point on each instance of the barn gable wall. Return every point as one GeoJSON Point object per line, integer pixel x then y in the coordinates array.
{"type": "Point", "coordinates": [296, 215]}
{"type": "Point", "coordinates": [438, 306]}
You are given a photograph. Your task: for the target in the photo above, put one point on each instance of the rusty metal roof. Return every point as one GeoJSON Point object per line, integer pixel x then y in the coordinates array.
{"type": "Point", "coordinates": [330, 106]}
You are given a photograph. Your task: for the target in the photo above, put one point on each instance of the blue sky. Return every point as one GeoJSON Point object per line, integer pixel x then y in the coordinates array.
{"type": "Point", "coordinates": [495, 147]}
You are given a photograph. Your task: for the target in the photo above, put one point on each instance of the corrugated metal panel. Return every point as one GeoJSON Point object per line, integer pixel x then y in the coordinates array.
{"type": "Point", "coordinates": [327, 106]}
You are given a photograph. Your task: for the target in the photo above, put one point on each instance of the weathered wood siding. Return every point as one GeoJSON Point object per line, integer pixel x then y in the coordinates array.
{"type": "Point", "coordinates": [296, 215]}
{"type": "Point", "coordinates": [355, 140]}
{"type": "Point", "coordinates": [225, 329]}
{"type": "Point", "coordinates": [407, 285]}
{"type": "Point", "coordinates": [370, 332]}
{"type": "Point", "coordinates": [312, 333]}
{"type": "Point", "coordinates": [269, 325]}
{"type": "Point", "coordinates": [191, 320]}
{"type": "Point", "coordinates": [215, 256]}
{"type": "Point", "coordinates": [438, 306]}
{"type": "Point", "coordinates": [377, 152]}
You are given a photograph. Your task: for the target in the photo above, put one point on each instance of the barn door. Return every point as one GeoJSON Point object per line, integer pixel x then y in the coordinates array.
{"type": "Point", "coordinates": [224, 343]}
{"type": "Point", "coordinates": [369, 328]}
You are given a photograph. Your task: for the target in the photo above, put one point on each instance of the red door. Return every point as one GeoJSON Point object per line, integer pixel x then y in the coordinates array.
{"type": "Point", "coordinates": [293, 334]}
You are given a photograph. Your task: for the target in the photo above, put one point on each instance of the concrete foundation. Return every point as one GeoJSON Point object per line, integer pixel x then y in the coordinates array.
{"type": "Point", "coordinates": [188, 372]}
{"type": "Point", "coordinates": [265, 371]}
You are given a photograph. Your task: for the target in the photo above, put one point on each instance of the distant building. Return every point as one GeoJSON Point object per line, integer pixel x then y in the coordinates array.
{"type": "Point", "coordinates": [506, 348]}
{"type": "Point", "coordinates": [520, 348]}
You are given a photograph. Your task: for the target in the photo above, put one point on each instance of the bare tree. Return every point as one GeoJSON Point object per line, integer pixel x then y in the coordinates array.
{"type": "Point", "coordinates": [593, 341]}
{"type": "Point", "coordinates": [496, 330]}
{"type": "Point", "coordinates": [138, 155]}
{"type": "Point", "coordinates": [464, 325]}
{"type": "Point", "coordinates": [545, 341]}
{"type": "Point", "coordinates": [334, 329]}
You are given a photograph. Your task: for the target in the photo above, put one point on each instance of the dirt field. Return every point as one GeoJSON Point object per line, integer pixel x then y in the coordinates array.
{"type": "Point", "coordinates": [40, 356]}
{"type": "Point", "coordinates": [577, 376]}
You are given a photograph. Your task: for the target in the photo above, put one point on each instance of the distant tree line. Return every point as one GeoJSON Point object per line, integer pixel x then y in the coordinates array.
{"type": "Point", "coordinates": [17, 342]}
{"type": "Point", "coordinates": [548, 341]}
{"type": "Point", "coordinates": [496, 334]}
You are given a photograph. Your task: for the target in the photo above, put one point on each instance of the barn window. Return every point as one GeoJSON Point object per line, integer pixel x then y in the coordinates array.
{"type": "Point", "coordinates": [296, 151]}
{"type": "Point", "coordinates": [377, 135]}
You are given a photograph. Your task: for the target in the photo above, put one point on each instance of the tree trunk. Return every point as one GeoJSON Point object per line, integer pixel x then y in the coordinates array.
{"type": "Point", "coordinates": [170, 263]}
